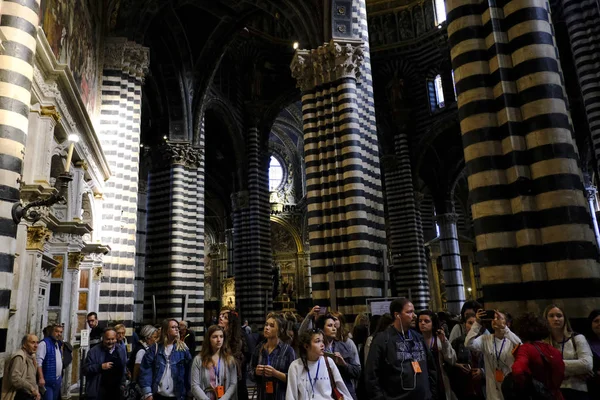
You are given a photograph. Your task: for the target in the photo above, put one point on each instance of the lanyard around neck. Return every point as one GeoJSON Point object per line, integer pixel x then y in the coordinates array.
{"type": "Point", "coordinates": [312, 383]}
{"type": "Point", "coordinates": [498, 354]}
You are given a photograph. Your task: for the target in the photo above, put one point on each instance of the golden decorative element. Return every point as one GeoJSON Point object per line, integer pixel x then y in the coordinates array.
{"type": "Point", "coordinates": [50, 111]}
{"type": "Point", "coordinates": [82, 164]}
{"type": "Point", "coordinates": [58, 271]}
{"type": "Point", "coordinates": [37, 236]}
{"type": "Point", "coordinates": [75, 258]}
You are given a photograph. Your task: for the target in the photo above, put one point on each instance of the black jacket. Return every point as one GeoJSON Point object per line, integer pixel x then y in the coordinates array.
{"type": "Point", "coordinates": [389, 370]}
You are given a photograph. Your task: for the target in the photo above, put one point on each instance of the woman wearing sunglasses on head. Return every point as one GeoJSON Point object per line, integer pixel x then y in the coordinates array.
{"type": "Point", "coordinates": [343, 353]}
{"type": "Point", "coordinates": [314, 376]}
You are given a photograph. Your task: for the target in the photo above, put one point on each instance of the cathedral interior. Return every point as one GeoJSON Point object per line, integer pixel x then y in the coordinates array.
{"type": "Point", "coordinates": [167, 158]}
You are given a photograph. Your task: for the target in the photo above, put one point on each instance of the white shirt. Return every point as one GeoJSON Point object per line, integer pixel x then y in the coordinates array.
{"type": "Point", "coordinates": [299, 386]}
{"type": "Point", "coordinates": [140, 356]}
{"type": "Point", "coordinates": [166, 385]}
{"type": "Point", "coordinates": [495, 356]}
{"type": "Point", "coordinates": [578, 360]}
{"type": "Point", "coordinates": [41, 355]}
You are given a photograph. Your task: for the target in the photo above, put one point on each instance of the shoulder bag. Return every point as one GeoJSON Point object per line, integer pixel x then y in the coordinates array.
{"type": "Point", "coordinates": [335, 393]}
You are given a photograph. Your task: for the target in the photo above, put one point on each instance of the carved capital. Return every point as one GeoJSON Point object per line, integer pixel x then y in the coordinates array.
{"type": "Point", "coordinates": [590, 192]}
{"type": "Point", "coordinates": [37, 236]}
{"type": "Point", "coordinates": [74, 259]}
{"type": "Point", "coordinates": [240, 200]}
{"type": "Point", "coordinates": [126, 56]}
{"type": "Point", "coordinates": [333, 61]}
{"type": "Point", "coordinates": [448, 218]}
{"type": "Point", "coordinates": [182, 154]}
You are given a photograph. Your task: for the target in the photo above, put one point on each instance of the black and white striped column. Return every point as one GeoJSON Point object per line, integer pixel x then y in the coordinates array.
{"type": "Point", "coordinates": [346, 231]}
{"type": "Point", "coordinates": [125, 66]}
{"type": "Point", "coordinates": [174, 281]}
{"type": "Point", "coordinates": [405, 231]}
{"type": "Point", "coordinates": [252, 235]}
{"type": "Point", "coordinates": [451, 264]}
{"type": "Point", "coordinates": [530, 216]}
{"type": "Point", "coordinates": [18, 23]}
{"type": "Point", "coordinates": [581, 20]}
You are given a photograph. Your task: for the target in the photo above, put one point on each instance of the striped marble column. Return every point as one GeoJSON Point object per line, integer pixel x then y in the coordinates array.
{"type": "Point", "coordinates": [252, 236]}
{"type": "Point", "coordinates": [125, 66]}
{"type": "Point", "coordinates": [346, 232]}
{"type": "Point", "coordinates": [405, 233]}
{"type": "Point", "coordinates": [581, 20]}
{"type": "Point", "coordinates": [174, 281]}
{"type": "Point", "coordinates": [530, 217]}
{"type": "Point", "coordinates": [451, 264]}
{"type": "Point", "coordinates": [18, 24]}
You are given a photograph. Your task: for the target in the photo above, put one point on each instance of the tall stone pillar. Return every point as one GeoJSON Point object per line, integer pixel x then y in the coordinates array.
{"type": "Point", "coordinates": [175, 240]}
{"type": "Point", "coordinates": [252, 235]}
{"type": "Point", "coordinates": [125, 66]}
{"type": "Point", "coordinates": [581, 20]}
{"type": "Point", "coordinates": [19, 27]}
{"type": "Point", "coordinates": [451, 264]}
{"type": "Point", "coordinates": [343, 183]}
{"type": "Point", "coordinates": [405, 231]}
{"type": "Point", "coordinates": [590, 194]}
{"type": "Point", "coordinates": [531, 223]}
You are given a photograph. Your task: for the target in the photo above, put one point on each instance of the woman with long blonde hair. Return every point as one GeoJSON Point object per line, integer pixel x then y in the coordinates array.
{"type": "Point", "coordinates": [165, 367]}
{"type": "Point", "coordinates": [214, 370]}
{"type": "Point", "coordinates": [575, 350]}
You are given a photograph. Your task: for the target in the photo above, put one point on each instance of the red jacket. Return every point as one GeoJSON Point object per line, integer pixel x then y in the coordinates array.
{"type": "Point", "coordinates": [529, 363]}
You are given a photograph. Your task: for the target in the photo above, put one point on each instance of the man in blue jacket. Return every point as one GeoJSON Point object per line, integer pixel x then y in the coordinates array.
{"type": "Point", "coordinates": [165, 368]}
{"type": "Point", "coordinates": [105, 367]}
{"type": "Point", "coordinates": [50, 363]}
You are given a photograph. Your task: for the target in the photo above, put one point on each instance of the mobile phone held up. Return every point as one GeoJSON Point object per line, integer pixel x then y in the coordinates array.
{"type": "Point", "coordinates": [323, 310]}
{"type": "Point", "coordinates": [328, 354]}
{"type": "Point", "coordinates": [489, 315]}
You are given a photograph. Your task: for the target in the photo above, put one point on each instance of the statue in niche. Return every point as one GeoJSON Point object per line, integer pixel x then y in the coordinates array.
{"type": "Point", "coordinates": [390, 29]}
{"type": "Point", "coordinates": [418, 18]}
{"type": "Point", "coordinates": [405, 25]}
{"type": "Point", "coordinates": [428, 11]}
{"type": "Point", "coordinates": [395, 92]}
{"type": "Point", "coordinates": [276, 275]}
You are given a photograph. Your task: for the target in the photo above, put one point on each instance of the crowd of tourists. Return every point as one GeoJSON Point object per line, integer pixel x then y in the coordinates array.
{"type": "Point", "coordinates": [400, 355]}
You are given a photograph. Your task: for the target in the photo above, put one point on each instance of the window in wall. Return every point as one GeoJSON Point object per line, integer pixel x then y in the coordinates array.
{"type": "Point", "coordinates": [436, 93]}
{"type": "Point", "coordinates": [54, 300]}
{"type": "Point", "coordinates": [275, 174]}
{"type": "Point", "coordinates": [454, 86]}
{"type": "Point", "coordinates": [440, 11]}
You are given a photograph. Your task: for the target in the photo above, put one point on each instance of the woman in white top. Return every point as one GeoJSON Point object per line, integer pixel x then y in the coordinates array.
{"type": "Point", "coordinates": [214, 371]}
{"type": "Point", "coordinates": [497, 351]}
{"type": "Point", "coordinates": [575, 350]}
{"type": "Point", "coordinates": [440, 347]}
{"type": "Point", "coordinates": [460, 329]}
{"type": "Point", "coordinates": [309, 377]}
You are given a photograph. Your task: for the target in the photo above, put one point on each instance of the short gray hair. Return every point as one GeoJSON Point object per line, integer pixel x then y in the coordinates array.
{"type": "Point", "coordinates": [147, 331]}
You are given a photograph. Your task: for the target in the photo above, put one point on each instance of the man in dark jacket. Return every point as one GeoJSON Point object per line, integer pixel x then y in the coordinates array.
{"type": "Point", "coordinates": [104, 368]}
{"type": "Point", "coordinates": [400, 365]}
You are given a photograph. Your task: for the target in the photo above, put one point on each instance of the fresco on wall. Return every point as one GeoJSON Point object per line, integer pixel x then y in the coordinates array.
{"type": "Point", "coordinates": [72, 33]}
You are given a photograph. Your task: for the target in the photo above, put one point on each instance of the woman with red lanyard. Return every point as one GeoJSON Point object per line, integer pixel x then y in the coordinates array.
{"type": "Point", "coordinates": [435, 339]}
{"type": "Point", "coordinates": [271, 361]}
{"type": "Point", "coordinates": [497, 351]}
{"type": "Point", "coordinates": [214, 371]}
{"type": "Point", "coordinates": [575, 351]}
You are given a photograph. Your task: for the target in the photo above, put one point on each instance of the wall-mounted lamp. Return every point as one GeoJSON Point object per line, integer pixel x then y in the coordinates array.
{"type": "Point", "coordinates": [62, 183]}
{"type": "Point", "coordinates": [295, 45]}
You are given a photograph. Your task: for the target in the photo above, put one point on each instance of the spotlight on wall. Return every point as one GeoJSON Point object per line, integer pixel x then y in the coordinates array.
{"type": "Point", "coordinates": [165, 137]}
{"type": "Point", "coordinates": [29, 212]}
{"type": "Point", "coordinates": [440, 26]}
{"type": "Point", "coordinates": [295, 45]}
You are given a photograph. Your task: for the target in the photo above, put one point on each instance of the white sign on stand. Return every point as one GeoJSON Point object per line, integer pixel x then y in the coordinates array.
{"type": "Point", "coordinates": [85, 337]}
{"type": "Point", "coordinates": [380, 306]}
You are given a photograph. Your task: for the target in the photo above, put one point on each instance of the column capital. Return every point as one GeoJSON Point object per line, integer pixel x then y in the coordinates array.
{"type": "Point", "coordinates": [448, 218]}
{"type": "Point", "coordinates": [129, 57]}
{"type": "Point", "coordinates": [73, 260]}
{"type": "Point", "coordinates": [184, 154]}
{"type": "Point", "coordinates": [334, 60]}
{"type": "Point", "coordinates": [590, 192]}
{"type": "Point", "coordinates": [37, 236]}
